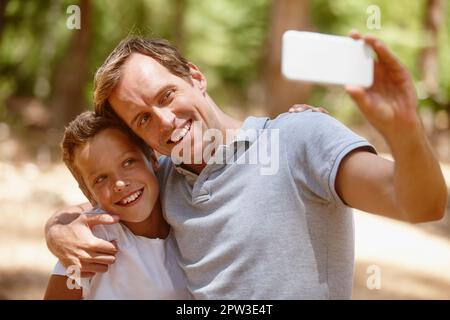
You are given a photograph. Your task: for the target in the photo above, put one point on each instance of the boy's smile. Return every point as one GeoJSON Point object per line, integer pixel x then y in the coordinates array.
{"type": "Point", "coordinates": [118, 175]}
{"type": "Point", "coordinates": [131, 199]}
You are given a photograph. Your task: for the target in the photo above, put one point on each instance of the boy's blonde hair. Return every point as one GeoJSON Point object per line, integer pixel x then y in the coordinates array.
{"type": "Point", "coordinates": [85, 127]}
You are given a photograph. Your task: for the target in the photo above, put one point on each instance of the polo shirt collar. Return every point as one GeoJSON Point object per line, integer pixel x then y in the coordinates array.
{"type": "Point", "coordinates": [245, 137]}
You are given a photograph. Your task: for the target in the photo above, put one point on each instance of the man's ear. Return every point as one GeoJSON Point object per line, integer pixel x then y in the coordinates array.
{"type": "Point", "coordinates": [198, 77]}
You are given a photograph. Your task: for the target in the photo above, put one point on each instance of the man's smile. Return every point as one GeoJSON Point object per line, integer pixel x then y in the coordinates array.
{"type": "Point", "coordinates": [179, 133]}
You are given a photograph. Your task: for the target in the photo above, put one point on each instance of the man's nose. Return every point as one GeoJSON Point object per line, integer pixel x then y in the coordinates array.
{"type": "Point", "coordinates": [166, 119]}
{"type": "Point", "coordinates": [120, 185]}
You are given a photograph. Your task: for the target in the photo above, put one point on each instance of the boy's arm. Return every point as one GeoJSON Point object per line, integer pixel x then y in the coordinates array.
{"type": "Point", "coordinates": [69, 237]}
{"type": "Point", "coordinates": [57, 289]}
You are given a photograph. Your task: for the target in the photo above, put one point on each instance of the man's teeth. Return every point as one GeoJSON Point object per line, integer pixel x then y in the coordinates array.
{"type": "Point", "coordinates": [131, 197]}
{"type": "Point", "coordinates": [180, 133]}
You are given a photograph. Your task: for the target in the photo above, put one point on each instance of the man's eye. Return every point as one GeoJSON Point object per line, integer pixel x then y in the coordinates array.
{"type": "Point", "coordinates": [167, 96]}
{"type": "Point", "coordinates": [144, 119]}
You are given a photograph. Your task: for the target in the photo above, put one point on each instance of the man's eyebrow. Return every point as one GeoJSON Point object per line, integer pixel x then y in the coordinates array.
{"type": "Point", "coordinates": [158, 94]}
{"type": "Point", "coordinates": [163, 89]}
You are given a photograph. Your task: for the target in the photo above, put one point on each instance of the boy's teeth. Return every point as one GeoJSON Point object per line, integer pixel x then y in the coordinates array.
{"type": "Point", "coordinates": [131, 197]}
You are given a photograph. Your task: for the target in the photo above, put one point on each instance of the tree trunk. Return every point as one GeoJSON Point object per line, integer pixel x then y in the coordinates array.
{"type": "Point", "coordinates": [429, 55]}
{"type": "Point", "coordinates": [279, 92]}
{"type": "Point", "coordinates": [178, 23]}
{"type": "Point", "coordinates": [70, 76]}
{"type": "Point", "coordinates": [3, 4]}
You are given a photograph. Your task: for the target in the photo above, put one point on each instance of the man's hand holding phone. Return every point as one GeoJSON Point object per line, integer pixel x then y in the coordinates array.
{"type": "Point", "coordinates": [382, 89]}
{"type": "Point", "coordinates": [390, 103]}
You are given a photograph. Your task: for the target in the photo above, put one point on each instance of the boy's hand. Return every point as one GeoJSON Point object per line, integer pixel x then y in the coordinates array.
{"type": "Point", "coordinates": [304, 107]}
{"type": "Point", "coordinates": [72, 242]}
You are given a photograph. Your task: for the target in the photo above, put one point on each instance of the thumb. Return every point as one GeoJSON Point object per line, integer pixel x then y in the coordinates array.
{"type": "Point", "coordinates": [101, 219]}
{"type": "Point", "coordinates": [114, 243]}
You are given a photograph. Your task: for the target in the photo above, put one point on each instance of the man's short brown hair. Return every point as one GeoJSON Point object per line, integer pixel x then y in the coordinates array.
{"type": "Point", "coordinates": [108, 75]}
{"type": "Point", "coordinates": [85, 127]}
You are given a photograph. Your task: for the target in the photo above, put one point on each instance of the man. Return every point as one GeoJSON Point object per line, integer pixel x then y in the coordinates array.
{"type": "Point", "coordinates": [242, 234]}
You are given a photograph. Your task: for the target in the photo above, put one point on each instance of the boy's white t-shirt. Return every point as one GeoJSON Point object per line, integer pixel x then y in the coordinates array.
{"type": "Point", "coordinates": [144, 268]}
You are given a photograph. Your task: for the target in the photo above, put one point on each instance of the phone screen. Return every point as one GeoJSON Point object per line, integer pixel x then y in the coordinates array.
{"type": "Point", "coordinates": [326, 59]}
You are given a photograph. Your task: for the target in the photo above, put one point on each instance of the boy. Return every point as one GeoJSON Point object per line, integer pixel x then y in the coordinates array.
{"type": "Point", "coordinates": [113, 168]}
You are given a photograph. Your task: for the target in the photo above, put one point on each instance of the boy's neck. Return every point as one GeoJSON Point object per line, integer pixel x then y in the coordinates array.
{"type": "Point", "coordinates": [155, 226]}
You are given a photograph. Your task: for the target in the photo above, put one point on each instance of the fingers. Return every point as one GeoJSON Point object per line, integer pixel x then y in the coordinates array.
{"type": "Point", "coordinates": [93, 268]}
{"type": "Point", "coordinates": [105, 218]}
{"type": "Point", "coordinates": [304, 107]}
{"type": "Point", "coordinates": [87, 274]}
{"type": "Point", "coordinates": [383, 53]}
{"type": "Point", "coordinates": [299, 108]}
{"type": "Point", "coordinates": [105, 247]}
{"type": "Point", "coordinates": [320, 109]}
{"type": "Point", "coordinates": [355, 34]}
{"type": "Point", "coordinates": [100, 258]}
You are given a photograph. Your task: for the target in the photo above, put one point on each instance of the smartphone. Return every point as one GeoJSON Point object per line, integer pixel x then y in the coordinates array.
{"type": "Point", "coordinates": [326, 59]}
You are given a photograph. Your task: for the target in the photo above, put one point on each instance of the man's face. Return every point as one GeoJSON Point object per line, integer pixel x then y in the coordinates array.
{"type": "Point", "coordinates": [160, 107]}
{"type": "Point", "coordinates": [118, 175]}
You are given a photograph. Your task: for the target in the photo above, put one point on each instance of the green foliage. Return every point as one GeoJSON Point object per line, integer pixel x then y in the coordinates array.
{"type": "Point", "coordinates": [225, 38]}
{"type": "Point", "coordinates": [401, 29]}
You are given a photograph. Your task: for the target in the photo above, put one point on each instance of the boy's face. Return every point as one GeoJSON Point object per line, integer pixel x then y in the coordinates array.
{"type": "Point", "coordinates": [118, 175]}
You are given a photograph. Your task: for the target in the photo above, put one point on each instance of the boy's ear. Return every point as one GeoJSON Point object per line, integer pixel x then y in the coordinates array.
{"type": "Point", "coordinates": [198, 77]}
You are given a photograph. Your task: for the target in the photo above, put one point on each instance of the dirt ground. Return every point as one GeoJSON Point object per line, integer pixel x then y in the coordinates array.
{"type": "Point", "coordinates": [412, 261]}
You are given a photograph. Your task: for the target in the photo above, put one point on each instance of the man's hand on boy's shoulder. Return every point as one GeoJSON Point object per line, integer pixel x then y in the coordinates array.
{"type": "Point", "coordinates": [304, 107]}
{"type": "Point", "coordinates": [69, 237]}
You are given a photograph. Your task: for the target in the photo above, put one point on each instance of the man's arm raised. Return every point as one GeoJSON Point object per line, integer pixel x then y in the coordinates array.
{"type": "Point", "coordinates": [69, 237]}
{"type": "Point", "coordinates": [412, 188]}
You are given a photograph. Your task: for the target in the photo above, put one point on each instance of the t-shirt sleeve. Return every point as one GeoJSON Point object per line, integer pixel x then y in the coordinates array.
{"type": "Point", "coordinates": [317, 143]}
{"type": "Point", "coordinates": [165, 165]}
{"type": "Point", "coordinates": [83, 283]}
{"type": "Point", "coordinates": [59, 269]}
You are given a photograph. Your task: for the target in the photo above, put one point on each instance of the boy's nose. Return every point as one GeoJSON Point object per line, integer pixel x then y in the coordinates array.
{"type": "Point", "coordinates": [120, 185]}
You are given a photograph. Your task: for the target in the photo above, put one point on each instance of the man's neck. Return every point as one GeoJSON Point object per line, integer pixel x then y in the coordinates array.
{"type": "Point", "coordinates": [227, 125]}
{"type": "Point", "coordinates": [195, 168]}
{"type": "Point", "coordinates": [155, 226]}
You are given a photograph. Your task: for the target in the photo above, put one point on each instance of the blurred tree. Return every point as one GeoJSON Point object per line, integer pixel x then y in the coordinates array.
{"type": "Point", "coordinates": [179, 31]}
{"type": "Point", "coordinates": [280, 93]}
{"type": "Point", "coordinates": [429, 61]}
{"type": "Point", "coordinates": [71, 74]}
{"type": "Point", "coordinates": [2, 15]}
{"type": "Point", "coordinates": [47, 69]}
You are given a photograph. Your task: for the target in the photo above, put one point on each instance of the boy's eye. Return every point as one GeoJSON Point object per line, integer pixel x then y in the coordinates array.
{"type": "Point", "coordinates": [128, 162]}
{"type": "Point", "coordinates": [99, 179]}
{"type": "Point", "coordinates": [144, 119]}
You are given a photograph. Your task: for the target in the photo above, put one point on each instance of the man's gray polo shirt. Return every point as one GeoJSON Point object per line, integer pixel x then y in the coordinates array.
{"type": "Point", "coordinates": [242, 234]}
